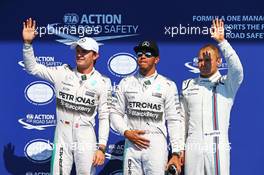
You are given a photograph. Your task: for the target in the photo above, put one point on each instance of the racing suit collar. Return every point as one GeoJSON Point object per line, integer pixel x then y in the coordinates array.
{"type": "Point", "coordinates": [84, 76]}
{"type": "Point", "coordinates": [214, 78]}
{"type": "Point", "coordinates": [148, 77]}
{"type": "Point", "coordinates": [147, 80]}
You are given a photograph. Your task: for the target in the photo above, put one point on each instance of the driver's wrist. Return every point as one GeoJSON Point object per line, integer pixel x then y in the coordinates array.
{"type": "Point", "coordinates": [126, 132]}
{"type": "Point", "coordinates": [177, 154]}
{"type": "Point", "coordinates": [27, 46]}
{"type": "Point", "coordinates": [220, 40]}
{"type": "Point", "coordinates": [27, 42]}
{"type": "Point", "coordinates": [102, 149]}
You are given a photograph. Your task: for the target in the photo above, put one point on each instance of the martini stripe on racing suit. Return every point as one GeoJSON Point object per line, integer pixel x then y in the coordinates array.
{"type": "Point", "coordinates": [207, 149]}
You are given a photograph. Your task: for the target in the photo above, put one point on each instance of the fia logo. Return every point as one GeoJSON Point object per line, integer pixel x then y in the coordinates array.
{"type": "Point", "coordinates": [71, 18]}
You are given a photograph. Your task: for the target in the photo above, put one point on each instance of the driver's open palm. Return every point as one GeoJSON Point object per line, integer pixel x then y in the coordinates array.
{"type": "Point", "coordinates": [29, 33]}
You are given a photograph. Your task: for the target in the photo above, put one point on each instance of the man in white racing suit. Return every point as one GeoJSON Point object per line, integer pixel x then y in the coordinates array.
{"type": "Point", "coordinates": [142, 104]}
{"type": "Point", "coordinates": [80, 92]}
{"type": "Point", "coordinates": [207, 102]}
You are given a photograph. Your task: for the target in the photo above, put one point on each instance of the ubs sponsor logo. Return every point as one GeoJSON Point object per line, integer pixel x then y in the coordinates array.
{"type": "Point", "coordinates": [39, 93]}
{"type": "Point", "coordinates": [38, 150]}
{"type": "Point", "coordinates": [122, 64]}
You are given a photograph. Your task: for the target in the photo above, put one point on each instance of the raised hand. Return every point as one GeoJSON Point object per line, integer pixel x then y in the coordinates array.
{"type": "Point", "coordinates": [218, 30]}
{"type": "Point", "coordinates": [29, 33]}
{"type": "Point", "coordinates": [206, 56]}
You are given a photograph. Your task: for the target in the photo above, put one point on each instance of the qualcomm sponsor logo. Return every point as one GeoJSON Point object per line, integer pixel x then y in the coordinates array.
{"type": "Point", "coordinates": [115, 151]}
{"type": "Point", "coordinates": [122, 64]}
{"type": "Point", "coordinates": [45, 60]}
{"type": "Point", "coordinates": [38, 150]}
{"type": "Point", "coordinates": [39, 93]}
{"type": "Point", "coordinates": [117, 172]}
{"type": "Point", "coordinates": [193, 66]}
{"type": "Point", "coordinates": [38, 121]}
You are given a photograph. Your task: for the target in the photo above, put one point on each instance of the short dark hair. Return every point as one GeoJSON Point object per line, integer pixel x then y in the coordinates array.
{"type": "Point", "coordinates": [213, 47]}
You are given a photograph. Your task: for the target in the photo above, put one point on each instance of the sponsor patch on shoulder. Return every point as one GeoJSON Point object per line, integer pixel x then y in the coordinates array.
{"type": "Point", "coordinates": [91, 94]}
{"type": "Point", "coordinates": [159, 95]}
{"type": "Point", "coordinates": [131, 92]}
